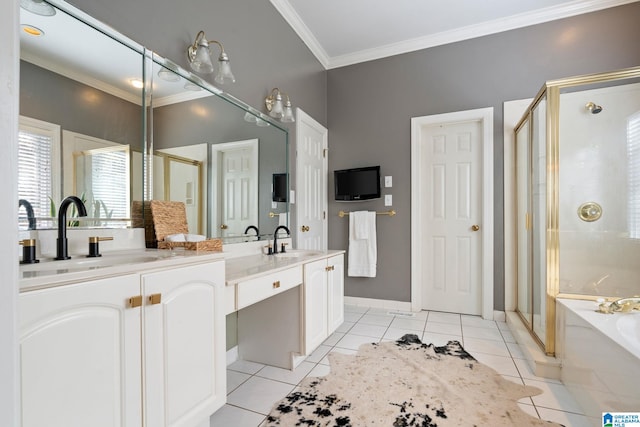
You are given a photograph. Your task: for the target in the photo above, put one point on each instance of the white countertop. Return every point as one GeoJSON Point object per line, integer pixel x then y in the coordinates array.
{"type": "Point", "coordinates": [50, 273]}
{"type": "Point", "coordinates": [251, 266]}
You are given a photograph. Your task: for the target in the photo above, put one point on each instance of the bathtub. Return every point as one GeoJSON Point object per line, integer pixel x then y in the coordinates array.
{"type": "Point", "coordinates": [600, 356]}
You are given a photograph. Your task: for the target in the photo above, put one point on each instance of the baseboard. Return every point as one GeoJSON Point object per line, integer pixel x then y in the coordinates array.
{"type": "Point", "coordinates": [232, 355]}
{"type": "Point", "coordinates": [499, 316]}
{"type": "Point", "coordinates": [378, 303]}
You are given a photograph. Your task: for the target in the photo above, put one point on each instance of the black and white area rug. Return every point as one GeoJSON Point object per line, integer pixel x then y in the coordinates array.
{"type": "Point", "coordinates": [405, 383]}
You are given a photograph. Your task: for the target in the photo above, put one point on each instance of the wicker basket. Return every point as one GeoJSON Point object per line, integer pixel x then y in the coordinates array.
{"type": "Point", "coordinates": [171, 218]}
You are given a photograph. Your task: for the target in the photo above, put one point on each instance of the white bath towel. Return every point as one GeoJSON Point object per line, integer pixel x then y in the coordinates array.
{"type": "Point", "coordinates": [175, 238]}
{"type": "Point", "coordinates": [283, 218]}
{"type": "Point", "coordinates": [363, 248]}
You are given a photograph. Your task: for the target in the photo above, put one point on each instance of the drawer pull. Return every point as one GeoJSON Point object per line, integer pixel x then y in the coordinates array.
{"type": "Point", "coordinates": [276, 284]}
{"type": "Point", "coordinates": [135, 301]}
{"type": "Point", "coordinates": [155, 299]}
{"type": "Point", "coordinates": [330, 268]}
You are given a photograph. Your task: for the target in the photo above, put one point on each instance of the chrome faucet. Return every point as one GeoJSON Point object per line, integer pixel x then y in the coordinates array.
{"type": "Point", "coordinates": [61, 243]}
{"type": "Point", "coordinates": [622, 305]}
{"type": "Point", "coordinates": [252, 227]}
{"type": "Point", "coordinates": [30, 216]}
{"type": "Point", "coordinates": [275, 236]}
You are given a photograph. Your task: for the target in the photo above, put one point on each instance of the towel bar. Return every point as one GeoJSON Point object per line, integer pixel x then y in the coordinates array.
{"type": "Point", "coordinates": [342, 214]}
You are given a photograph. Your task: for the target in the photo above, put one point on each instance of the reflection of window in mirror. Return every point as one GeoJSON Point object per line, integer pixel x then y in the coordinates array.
{"type": "Point", "coordinates": [102, 178]}
{"type": "Point", "coordinates": [38, 169]}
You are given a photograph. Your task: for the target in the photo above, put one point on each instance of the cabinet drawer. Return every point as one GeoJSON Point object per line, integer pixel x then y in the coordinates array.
{"type": "Point", "coordinates": [254, 290]}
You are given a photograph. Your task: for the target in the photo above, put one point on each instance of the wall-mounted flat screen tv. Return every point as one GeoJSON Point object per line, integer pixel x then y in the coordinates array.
{"type": "Point", "coordinates": [279, 193]}
{"type": "Point", "coordinates": [357, 184]}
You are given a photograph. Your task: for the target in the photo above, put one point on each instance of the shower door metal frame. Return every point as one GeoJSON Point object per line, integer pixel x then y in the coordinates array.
{"type": "Point", "coordinates": [551, 90]}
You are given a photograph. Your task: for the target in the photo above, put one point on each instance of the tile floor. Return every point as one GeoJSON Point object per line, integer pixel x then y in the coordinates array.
{"type": "Point", "coordinates": [253, 388]}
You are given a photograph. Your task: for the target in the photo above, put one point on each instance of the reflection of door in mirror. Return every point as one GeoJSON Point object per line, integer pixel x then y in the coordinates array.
{"type": "Point", "coordinates": [38, 167]}
{"type": "Point", "coordinates": [179, 179]}
{"type": "Point", "coordinates": [234, 177]}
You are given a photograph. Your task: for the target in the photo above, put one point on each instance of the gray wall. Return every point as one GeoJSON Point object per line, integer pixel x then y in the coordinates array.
{"type": "Point", "coordinates": [264, 51]}
{"type": "Point", "coordinates": [45, 95]}
{"type": "Point", "coordinates": [370, 106]}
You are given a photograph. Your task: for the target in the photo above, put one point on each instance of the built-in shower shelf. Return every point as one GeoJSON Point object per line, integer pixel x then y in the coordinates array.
{"type": "Point", "coordinates": [541, 364]}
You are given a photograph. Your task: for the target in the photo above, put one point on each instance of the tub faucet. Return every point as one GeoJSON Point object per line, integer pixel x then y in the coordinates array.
{"type": "Point", "coordinates": [61, 243]}
{"type": "Point", "coordinates": [252, 227]}
{"type": "Point", "coordinates": [275, 236]}
{"type": "Point", "coordinates": [622, 305]}
{"type": "Point", "coordinates": [30, 216]}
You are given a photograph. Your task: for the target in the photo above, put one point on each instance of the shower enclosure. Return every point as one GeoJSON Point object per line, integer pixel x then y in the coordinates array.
{"type": "Point", "coordinates": [577, 157]}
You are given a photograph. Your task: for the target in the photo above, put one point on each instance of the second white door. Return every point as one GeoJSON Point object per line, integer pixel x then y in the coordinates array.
{"type": "Point", "coordinates": [451, 213]}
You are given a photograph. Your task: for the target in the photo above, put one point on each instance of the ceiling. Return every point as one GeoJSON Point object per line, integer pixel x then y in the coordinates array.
{"type": "Point", "coordinates": [342, 32]}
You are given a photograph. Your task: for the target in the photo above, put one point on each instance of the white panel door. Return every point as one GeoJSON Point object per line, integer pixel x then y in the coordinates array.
{"type": "Point", "coordinates": [184, 186]}
{"type": "Point", "coordinates": [239, 191]}
{"type": "Point", "coordinates": [80, 355]}
{"type": "Point", "coordinates": [451, 209]}
{"type": "Point", "coordinates": [311, 185]}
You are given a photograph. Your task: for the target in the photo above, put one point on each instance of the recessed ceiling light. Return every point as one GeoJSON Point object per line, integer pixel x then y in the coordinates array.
{"type": "Point", "coordinates": [31, 30]}
{"type": "Point", "coordinates": [137, 83]}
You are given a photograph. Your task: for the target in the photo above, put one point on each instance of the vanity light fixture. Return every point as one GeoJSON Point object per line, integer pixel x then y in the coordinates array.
{"type": "Point", "coordinates": [137, 83]}
{"type": "Point", "coordinates": [39, 7]}
{"type": "Point", "coordinates": [199, 55]}
{"type": "Point", "coordinates": [277, 108]}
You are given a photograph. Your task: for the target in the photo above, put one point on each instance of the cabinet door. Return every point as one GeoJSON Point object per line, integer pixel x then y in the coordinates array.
{"type": "Point", "coordinates": [315, 304]}
{"type": "Point", "coordinates": [80, 355]}
{"type": "Point", "coordinates": [335, 287]}
{"type": "Point", "coordinates": [184, 345]}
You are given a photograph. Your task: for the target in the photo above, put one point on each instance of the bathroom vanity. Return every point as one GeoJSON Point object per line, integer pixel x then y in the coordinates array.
{"type": "Point", "coordinates": [287, 304]}
{"type": "Point", "coordinates": [137, 337]}
{"type": "Point", "coordinates": [115, 342]}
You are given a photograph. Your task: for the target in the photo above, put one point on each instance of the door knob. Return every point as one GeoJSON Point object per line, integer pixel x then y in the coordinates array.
{"type": "Point", "coordinates": [475, 227]}
{"type": "Point", "coordinates": [224, 227]}
{"type": "Point", "coordinates": [304, 228]}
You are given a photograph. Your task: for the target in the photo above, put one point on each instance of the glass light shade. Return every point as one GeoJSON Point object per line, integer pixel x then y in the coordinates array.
{"type": "Point", "coordinates": [277, 109]}
{"type": "Point", "coordinates": [248, 117]}
{"type": "Point", "coordinates": [287, 117]}
{"type": "Point", "coordinates": [168, 75]}
{"type": "Point", "coordinates": [224, 74]}
{"type": "Point", "coordinates": [191, 86]}
{"type": "Point", "coordinates": [262, 123]}
{"type": "Point", "coordinates": [38, 7]}
{"type": "Point", "coordinates": [201, 62]}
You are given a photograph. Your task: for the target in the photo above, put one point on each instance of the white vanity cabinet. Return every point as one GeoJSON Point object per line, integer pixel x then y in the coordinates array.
{"type": "Point", "coordinates": [80, 355]}
{"type": "Point", "coordinates": [323, 300]}
{"type": "Point", "coordinates": [140, 349]}
{"type": "Point", "coordinates": [184, 357]}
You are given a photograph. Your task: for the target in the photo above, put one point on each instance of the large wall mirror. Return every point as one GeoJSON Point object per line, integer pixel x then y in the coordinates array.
{"type": "Point", "coordinates": [93, 104]}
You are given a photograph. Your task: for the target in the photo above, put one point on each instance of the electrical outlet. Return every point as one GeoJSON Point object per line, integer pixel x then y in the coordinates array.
{"type": "Point", "coordinates": [388, 181]}
{"type": "Point", "coordinates": [388, 200]}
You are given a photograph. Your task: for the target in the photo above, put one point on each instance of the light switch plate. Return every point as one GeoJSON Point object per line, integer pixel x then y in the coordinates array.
{"type": "Point", "coordinates": [292, 196]}
{"type": "Point", "coordinates": [388, 200]}
{"type": "Point", "coordinates": [388, 181]}
{"type": "Point", "coordinates": [274, 205]}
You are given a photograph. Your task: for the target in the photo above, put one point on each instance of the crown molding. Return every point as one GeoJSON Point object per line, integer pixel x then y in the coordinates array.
{"type": "Point", "coordinates": [298, 25]}
{"type": "Point", "coordinates": [576, 7]}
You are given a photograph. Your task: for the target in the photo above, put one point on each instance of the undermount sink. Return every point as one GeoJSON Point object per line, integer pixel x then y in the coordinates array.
{"type": "Point", "coordinates": [297, 253]}
{"type": "Point", "coordinates": [83, 263]}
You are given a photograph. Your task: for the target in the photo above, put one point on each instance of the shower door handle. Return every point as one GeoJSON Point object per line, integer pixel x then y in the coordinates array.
{"type": "Point", "coordinates": [475, 227]}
